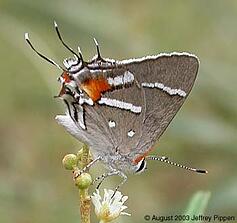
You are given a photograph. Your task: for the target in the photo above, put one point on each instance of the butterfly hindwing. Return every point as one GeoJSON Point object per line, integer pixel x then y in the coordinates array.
{"type": "Point", "coordinates": [173, 71]}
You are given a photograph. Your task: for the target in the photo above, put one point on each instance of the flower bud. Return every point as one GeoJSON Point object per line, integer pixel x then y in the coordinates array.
{"type": "Point", "coordinates": [83, 181]}
{"type": "Point", "coordinates": [70, 161]}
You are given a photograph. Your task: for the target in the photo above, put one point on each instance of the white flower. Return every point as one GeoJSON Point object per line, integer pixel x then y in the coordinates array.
{"type": "Point", "coordinates": [110, 207]}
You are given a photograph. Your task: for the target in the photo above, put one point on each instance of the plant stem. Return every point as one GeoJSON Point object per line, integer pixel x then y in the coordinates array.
{"type": "Point", "coordinates": [85, 159]}
{"type": "Point", "coordinates": [85, 200]}
{"type": "Point", "coordinates": [85, 205]}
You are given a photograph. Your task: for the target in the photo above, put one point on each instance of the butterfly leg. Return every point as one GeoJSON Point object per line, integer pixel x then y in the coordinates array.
{"type": "Point", "coordinates": [104, 176]}
{"type": "Point", "coordinates": [121, 174]}
{"type": "Point", "coordinates": [77, 173]}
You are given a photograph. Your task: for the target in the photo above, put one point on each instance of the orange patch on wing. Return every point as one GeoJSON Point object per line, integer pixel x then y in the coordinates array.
{"type": "Point", "coordinates": [94, 87]}
{"type": "Point", "coordinates": [140, 157]}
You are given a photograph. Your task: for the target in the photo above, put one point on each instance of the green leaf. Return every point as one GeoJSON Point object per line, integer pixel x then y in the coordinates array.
{"type": "Point", "coordinates": [198, 204]}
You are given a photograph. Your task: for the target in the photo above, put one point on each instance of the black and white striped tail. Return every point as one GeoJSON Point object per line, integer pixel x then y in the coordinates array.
{"type": "Point", "coordinates": [176, 164]}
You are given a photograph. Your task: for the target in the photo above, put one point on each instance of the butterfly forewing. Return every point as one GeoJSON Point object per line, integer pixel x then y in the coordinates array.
{"type": "Point", "coordinates": [122, 124]}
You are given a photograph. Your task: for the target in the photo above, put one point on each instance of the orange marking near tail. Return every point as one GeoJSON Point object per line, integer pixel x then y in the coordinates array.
{"type": "Point", "coordinates": [140, 157]}
{"type": "Point", "coordinates": [95, 87]}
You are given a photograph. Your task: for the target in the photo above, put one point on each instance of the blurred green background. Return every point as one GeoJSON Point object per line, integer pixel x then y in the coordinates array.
{"type": "Point", "coordinates": [34, 187]}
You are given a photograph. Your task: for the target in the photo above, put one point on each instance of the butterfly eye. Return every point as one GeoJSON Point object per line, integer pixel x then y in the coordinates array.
{"type": "Point", "coordinates": [141, 166]}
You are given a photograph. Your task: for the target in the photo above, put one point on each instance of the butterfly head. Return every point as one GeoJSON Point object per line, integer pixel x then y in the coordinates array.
{"type": "Point", "coordinates": [72, 64]}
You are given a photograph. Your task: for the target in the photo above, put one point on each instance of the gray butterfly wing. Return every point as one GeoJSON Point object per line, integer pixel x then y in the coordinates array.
{"type": "Point", "coordinates": [116, 122]}
{"type": "Point", "coordinates": [107, 127]}
{"type": "Point", "coordinates": [96, 138]}
{"type": "Point", "coordinates": [175, 71]}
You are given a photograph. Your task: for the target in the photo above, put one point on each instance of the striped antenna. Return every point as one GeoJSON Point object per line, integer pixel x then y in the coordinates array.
{"type": "Point", "coordinates": [27, 39]}
{"type": "Point", "coordinates": [161, 159]}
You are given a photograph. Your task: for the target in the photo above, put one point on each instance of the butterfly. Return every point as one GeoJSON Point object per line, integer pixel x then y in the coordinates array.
{"type": "Point", "coordinates": [121, 108]}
